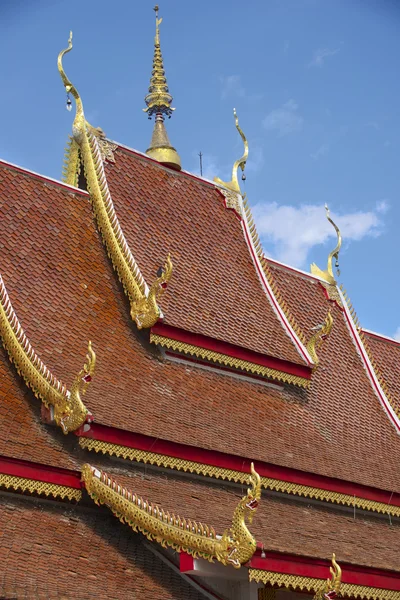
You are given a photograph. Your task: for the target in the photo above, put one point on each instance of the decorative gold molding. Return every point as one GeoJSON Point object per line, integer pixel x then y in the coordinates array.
{"type": "Point", "coordinates": [229, 361]}
{"type": "Point", "coordinates": [233, 184]}
{"type": "Point", "coordinates": [69, 411]}
{"type": "Point", "coordinates": [327, 275]}
{"type": "Point", "coordinates": [312, 585]}
{"type": "Point", "coordinates": [232, 200]}
{"type": "Point", "coordinates": [277, 485]}
{"type": "Point", "coordinates": [235, 547]}
{"type": "Point", "coordinates": [21, 484]}
{"type": "Point", "coordinates": [321, 333]}
{"type": "Point", "coordinates": [89, 141]}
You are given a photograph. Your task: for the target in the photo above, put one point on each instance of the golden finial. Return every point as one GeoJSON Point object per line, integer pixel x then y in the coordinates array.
{"type": "Point", "coordinates": [241, 162]}
{"type": "Point", "coordinates": [158, 103]}
{"type": "Point", "coordinates": [328, 273]}
{"type": "Point", "coordinates": [69, 87]}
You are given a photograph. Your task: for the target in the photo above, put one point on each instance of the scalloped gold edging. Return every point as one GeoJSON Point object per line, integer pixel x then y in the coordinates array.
{"type": "Point", "coordinates": [39, 487]}
{"type": "Point", "coordinates": [312, 585]}
{"type": "Point", "coordinates": [229, 361]}
{"type": "Point", "coordinates": [267, 483]}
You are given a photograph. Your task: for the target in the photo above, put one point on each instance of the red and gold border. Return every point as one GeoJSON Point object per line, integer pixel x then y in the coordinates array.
{"type": "Point", "coordinates": [25, 477]}
{"type": "Point", "coordinates": [229, 355]}
{"type": "Point", "coordinates": [219, 466]}
{"type": "Point", "coordinates": [312, 585]}
{"type": "Point", "coordinates": [33, 486]}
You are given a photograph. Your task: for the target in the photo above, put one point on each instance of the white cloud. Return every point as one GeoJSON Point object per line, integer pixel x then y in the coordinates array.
{"type": "Point", "coordinates": [321, 151]}
{"type": "Point", "coordinates": [397, 334]}
{"type": "Point", "coordinates": [293, 231]}
{"type": "Point", "coordinates": [320, 55]}
{"type": "Point", "coordinates": [382, 206]}
{"type": "Point", "coordinates": [284, 120]}
{"type": "Point", "coordinates": [231, 85]}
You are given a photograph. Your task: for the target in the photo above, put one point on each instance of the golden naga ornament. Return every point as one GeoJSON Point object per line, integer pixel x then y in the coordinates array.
{"type": "Point", "coordinates": [233, 184]}
{"type": "Point", "coordinates": [144, 309]}
{"type": "Point", "coordinates": [327, 275]}
{"type": "Point", "coordinates": [332, 585]}
{"type": "Point", "coordinates": [146, 312]}
{"type": "Point", "coordinates": [69, 411]}
{"type": "Point", "coordinates": [321, 332]}
{"type": "Point", "coordinates": [235, 547]}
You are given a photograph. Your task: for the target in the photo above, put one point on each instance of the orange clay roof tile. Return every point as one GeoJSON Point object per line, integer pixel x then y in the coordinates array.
{"type": "Point", "coordinates": [215, 289]}
{"type": "Point", "coordinates": [65, 292]}
{"type": "Point", "coordinates": [58, 552]}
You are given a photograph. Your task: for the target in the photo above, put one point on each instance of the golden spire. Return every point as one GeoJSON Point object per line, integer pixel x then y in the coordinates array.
{"type": "Point", "coordinates": [328, 273]}
{"type": "Point", "coordinates": [158, 102]}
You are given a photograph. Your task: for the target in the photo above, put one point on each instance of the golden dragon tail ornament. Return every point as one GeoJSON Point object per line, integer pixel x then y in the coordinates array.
{"type": "Point", "coordinates": [233, 185]}
{"type": "Point", "coordinates": [144, 308]}
{"type": "Point", "coordinates": [235, 547]}
{"type": "Point", "coordinates": [69, 411]}
{"type": "Point", "coordinates": [332, 586]}
{"type": "Point", "coordinates": [327, 275]}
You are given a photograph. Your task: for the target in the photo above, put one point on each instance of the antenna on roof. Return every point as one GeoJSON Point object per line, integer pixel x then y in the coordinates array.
{"type": "Point", "coordinates": [201, 162]}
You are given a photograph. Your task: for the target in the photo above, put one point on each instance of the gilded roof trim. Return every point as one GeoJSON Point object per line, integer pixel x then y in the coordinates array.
{"type": "Point", "coordinates": [235, 547]}
{"type": "Point", "coordinates": [313, 585]}
{"type": "Point", "coordinates": [69, 411]}
{"type": "Point", "coordinates": [229, 361]}
{"type": "Point", "coordinates": [277, 485]}
{"type": "Point", "coordinates": [144, 308]}
{"type": "Point", "coordinates": [33, 486]}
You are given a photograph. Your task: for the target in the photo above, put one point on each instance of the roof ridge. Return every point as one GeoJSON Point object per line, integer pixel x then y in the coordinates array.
{"type": "Point", "coordinates": [69, 411]}
{"type": "Point", "coordinates": [389, 404]}
{"type": "Point", "coordinates": [270, 286]}
{"type": "Point", "coordinates": [62, 184]}
{"type": "Point", "coordinates": [380, 335]}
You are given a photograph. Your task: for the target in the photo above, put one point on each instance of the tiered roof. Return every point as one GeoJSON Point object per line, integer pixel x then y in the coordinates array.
{"type": "Point", "coordinates": [240, 359]}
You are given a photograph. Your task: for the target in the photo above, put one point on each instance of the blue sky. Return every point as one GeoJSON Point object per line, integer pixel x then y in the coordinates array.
{"type": "Point", "coordinates": [315, 84]}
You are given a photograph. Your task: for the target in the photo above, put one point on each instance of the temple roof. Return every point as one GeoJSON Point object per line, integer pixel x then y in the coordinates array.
{"type": "Point", "coordinates": [215, 290]}
{"type": "Point", "coordinates": [65, 292]}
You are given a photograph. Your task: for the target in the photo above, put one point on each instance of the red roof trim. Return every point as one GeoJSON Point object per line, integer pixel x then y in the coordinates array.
{"type": "Point", "coordinates": [39, 472]}
{"type": "Point", "coordinates": [235, 463]}
{"type": "Point", "coordinates": [293, 269]}
{"type": "Point", "coordinates": [34, 175]}
{"type": "Point", "coordinates": [310, 567]}
{"type": "Point", "coordinates": [380, 336]}
{"type": "Point", "coordinates": [202, 341]}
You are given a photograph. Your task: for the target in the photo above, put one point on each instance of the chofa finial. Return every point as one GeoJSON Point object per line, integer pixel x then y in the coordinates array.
{"type": "Point", "coordinates": [328, 273]}
{"type": "Point", "coordinates": [240, 163]}
{"type": "Point", "coordinates": [69, 87]}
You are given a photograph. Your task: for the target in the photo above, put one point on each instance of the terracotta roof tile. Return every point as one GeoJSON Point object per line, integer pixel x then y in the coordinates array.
{"type": "Point", "coordinates": [57, 552]}
{"type": "Point", "coordinates": [215, 290]}
{"type": "Point", "coordinates": [386, 354]}
{"type": "Point", "coordinates": [64, 291]}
